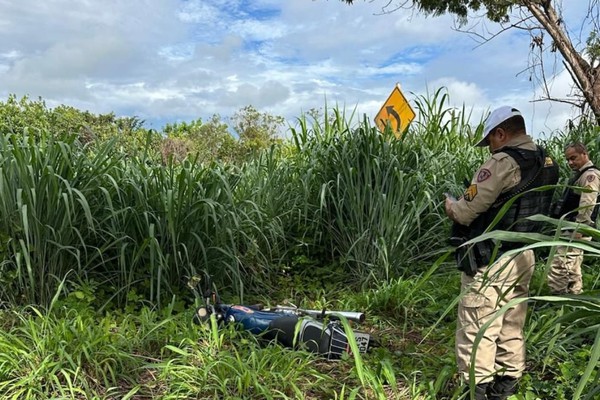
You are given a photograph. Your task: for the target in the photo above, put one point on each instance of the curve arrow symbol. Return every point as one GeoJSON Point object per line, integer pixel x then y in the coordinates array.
{"type": "Point", "coordinates": [390, 110]}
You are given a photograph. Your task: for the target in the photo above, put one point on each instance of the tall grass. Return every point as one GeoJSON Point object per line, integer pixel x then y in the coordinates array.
{"type": "Point", "coordinates": [339, 196]}
{"type": "Point", "coordinates": [377, 198]}
{"type": "Point", "coordinates": [121, 221]}
{"type": "Point", "coordinates": [45, 216]}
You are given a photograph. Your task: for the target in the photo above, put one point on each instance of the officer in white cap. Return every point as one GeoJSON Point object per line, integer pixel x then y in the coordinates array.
{"type": "Point", "coordinates": [517, 164]}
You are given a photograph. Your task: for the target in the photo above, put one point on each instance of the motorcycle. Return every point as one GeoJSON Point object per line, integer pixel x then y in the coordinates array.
{"type": "Point", "coordinates": [317, 331]}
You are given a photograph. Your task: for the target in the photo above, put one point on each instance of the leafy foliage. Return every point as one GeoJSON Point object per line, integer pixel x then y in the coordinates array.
{"type": "Point", "coordinates": [256, 130]}
{"type": "Point", "coordinates": [496, 11]}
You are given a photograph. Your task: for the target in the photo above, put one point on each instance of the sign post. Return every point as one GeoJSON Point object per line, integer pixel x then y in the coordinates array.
{"type": "Point", "coordinates": [396, 112]}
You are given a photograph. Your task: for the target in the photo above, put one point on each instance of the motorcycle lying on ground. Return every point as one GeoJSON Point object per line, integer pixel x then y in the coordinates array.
{"type": "Point", "coordinates": [317, 331]}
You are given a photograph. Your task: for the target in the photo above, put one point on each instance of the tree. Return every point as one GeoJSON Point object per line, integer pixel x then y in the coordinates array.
{"type": "Point", "coordinates": [256, 130]}
{"type": "Point", "coordinates": [18, 115]}
{"type": "Point", "coordinates": [539, 17]}
{"type": "Point", "coordinates": [209, 141]}
{"type": "Point", "coordinates": [212, 140]}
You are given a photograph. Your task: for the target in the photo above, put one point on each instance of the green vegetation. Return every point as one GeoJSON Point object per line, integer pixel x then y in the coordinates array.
{"type": "Point", "coordinates": [103, 222]}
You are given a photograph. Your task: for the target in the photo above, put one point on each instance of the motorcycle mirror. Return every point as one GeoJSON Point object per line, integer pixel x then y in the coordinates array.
{"type": "Point", "coordinates": [194, 281]}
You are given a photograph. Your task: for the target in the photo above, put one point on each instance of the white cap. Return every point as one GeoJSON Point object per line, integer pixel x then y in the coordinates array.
{"type": "Point", "coordinates": [498, 116]}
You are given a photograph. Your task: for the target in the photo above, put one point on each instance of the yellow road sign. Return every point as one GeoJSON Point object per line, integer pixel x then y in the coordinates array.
{"type": "Point", "coordinates": [396, 112]}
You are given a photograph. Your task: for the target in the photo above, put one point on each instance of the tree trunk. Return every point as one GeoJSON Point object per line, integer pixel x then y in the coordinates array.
{"type": "Point", "coordinates": [587, 77]}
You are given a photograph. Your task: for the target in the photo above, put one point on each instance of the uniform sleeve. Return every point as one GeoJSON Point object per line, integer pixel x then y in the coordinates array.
{"type": "Point", "coordinates": [495, 176]}
{"type": "Point", "coordinates": [590, 180]}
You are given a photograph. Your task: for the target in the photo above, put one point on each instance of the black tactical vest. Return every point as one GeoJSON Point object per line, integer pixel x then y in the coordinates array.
{"type": "Point", "coordinates": [570, 200]}
{"type": "Point", "coordinates": [536, 170]}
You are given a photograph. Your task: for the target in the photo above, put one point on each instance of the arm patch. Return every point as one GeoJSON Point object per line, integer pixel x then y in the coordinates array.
{"type": "Point", "coordinates": [483, 175]}
{"type": "Point", "coordinates": [470, 193]}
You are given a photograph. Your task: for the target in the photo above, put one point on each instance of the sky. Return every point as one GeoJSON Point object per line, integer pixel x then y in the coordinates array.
{"type": "Point", "coordinates": [167, 61]}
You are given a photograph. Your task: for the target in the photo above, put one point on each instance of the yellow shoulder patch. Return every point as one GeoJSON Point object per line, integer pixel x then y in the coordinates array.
{"type": "Point", "coordinates": [470, 193]}
{"type": "Point", "coordinates": [549, 162]}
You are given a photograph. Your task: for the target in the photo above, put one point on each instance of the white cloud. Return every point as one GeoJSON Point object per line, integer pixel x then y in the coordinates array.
{"type": "Point", "coordinates": [172, 60]}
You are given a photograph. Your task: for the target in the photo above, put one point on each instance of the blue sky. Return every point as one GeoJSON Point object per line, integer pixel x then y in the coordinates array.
{"type": "Point", "coordinates": [173, 60]}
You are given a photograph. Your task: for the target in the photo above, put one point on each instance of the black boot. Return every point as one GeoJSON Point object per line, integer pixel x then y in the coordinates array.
{"type": "Point", "coordinates": [480, 392]}
{"type": "Point", "coordinates": [502, 388]}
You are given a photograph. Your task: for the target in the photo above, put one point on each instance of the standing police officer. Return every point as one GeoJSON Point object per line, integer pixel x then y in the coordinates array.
{"type": "Point", "coordinates": [516, 165]}
{"type": "Point", "coordinates": [578, 206]}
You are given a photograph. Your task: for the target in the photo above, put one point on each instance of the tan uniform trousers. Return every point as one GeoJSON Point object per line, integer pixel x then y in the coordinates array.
{"type": "Point", "coordinates": [564, 276]}
{"type": "Point", "coordinates": [502, 348]}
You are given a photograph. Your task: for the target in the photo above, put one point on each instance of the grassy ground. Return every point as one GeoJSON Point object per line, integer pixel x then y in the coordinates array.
{"type": "Point", "coordinates": [74, 352]}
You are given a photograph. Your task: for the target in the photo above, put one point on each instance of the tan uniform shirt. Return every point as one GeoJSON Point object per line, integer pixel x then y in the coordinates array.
{"type": "Point", "coordinates": [590, 179]}
{"type": "Point", "coordinates": [497, 175]}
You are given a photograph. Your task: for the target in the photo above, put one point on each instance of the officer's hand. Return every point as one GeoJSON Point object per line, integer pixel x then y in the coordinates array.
{"type": "Point", "coordinates": [448, 207]}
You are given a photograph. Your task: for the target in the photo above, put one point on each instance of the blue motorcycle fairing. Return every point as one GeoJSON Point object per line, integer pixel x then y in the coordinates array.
{"type": "Point", "coordinates": [252, 320]}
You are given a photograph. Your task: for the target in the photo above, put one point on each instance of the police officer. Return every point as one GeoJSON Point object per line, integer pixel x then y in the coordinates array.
{"type": "Point", "coordinates": [579, 206]}
{"type": "Point", "coordinates": [516, 165]}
